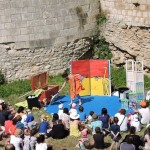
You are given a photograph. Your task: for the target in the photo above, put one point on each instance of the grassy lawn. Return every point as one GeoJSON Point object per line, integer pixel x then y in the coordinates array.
{"type": "Point", "coordinates": [11, 93]}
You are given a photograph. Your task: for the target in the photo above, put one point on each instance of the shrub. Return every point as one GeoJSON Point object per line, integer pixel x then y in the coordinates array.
{"type": "Point", "coordinates": [2, 78]}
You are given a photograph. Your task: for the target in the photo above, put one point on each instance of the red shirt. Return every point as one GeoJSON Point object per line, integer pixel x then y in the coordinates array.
{"type": "Point", "coordinates": [7, 125]}
{"type": "Point", "coordinates": [12, 129]}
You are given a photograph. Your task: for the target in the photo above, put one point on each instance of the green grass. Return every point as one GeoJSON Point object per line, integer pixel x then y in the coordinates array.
{"type": "Point", "coordinates": [12, 91]}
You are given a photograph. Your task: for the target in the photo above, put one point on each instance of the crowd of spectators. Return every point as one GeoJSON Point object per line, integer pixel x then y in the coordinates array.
{"type": "Point", "coordinates": [22, 132]}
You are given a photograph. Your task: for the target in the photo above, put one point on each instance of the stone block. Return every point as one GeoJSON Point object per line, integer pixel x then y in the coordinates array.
{"type": "Point", "coordinates": [4, 32]}
{"type": "Point", "coordinates": [1, 26]}
{"type": "Point", "coordinates": [2, 12]}
{"type": "Point", "coordinates": [41, 35]}
{"type": "Point", "coordinates": [5, 19]}
{"type": "Point", "coordinates": [23, 38]}
{"type": "Point", "coordinates": [59, 26]}
{"type": "Point", "coordinates": [16, 4]}
{"type": "Point", "coordinates": [31, 37]}
{"type": "Point", "coordinates": [54, 2]}
{"type": "Point", "coordinates": [47, 28]}
{"type": "Point", "coordinates": [15, 18]}
{"type": "Point", "coordinates": [68, 32]}
{"type": "Point", "coordinates": [13, 31]}
{"type": "Point", "coordinates": [44, 2]}
{"type": "Point", "coordinates": [27, 16]}
{"type": "Point", "coordinates": [9, 11]}
{"type": "Point", "coordinates": [68, 25]}
{"type": "Point", "coordinates": [20, 24]}
{"type": "Point", "coordinates": [10, 25]}
{"type": "Point", "coordinates": [3, 39]}
{"type": "Point", "coordinates": [20, 45]}
{"type": "Point", "coordinates": [21, 10]}
{"type": "Point", "coordinates": [51, 21]}
{"type": "Point", "coordinates": [36, 23]}
{"type": "Point", "coordinates": [54, 34]}
{"type": "Point", "coordinates": [28, 30]}
{"type": "Point", "coordinates": [12, 38]}
{"type": "Point", "coordinates": [31, 9]}
{"type": "Point", "coordinates": [145, 14]}
{"type": "Point", "coordinates": [37, 15]}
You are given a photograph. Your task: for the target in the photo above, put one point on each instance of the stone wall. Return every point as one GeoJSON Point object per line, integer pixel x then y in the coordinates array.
{"type": "Point", "coordinates": [127, 29]}
{"type": "Point", "coordinates": [39, 35]}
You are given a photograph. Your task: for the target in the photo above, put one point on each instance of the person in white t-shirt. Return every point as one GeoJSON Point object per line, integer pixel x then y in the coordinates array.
{"type": "Point", "coordinates": [145, 113]}
{"type": "Point", "coordinates": [73, 108]}
{"type": "Point", "coordinates": [41, 145]}
{"type": "Point", "coordinates": [16, 140]}
{"type": "Point", "coordinates": [123, 120]}
{"type": "Point", "coordinates": [136, 123]}
{"type": "Point", "coordinates": [60, 111]}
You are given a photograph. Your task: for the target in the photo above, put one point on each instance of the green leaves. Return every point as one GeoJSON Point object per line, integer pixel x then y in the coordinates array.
{"type": "Point", "coordinates": [101, 48]}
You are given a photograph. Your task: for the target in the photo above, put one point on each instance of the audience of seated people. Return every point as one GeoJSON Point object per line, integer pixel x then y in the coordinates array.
{"type": "Point", "coordinates": [24, 133]}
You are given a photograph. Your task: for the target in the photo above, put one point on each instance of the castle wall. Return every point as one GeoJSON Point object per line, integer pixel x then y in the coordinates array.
{"type": "Point", "coordinates": [39, 35]}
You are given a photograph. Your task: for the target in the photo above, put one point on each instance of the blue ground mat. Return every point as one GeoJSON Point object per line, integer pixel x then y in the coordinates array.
{"type": "Point", "coordinates": [94, 103]}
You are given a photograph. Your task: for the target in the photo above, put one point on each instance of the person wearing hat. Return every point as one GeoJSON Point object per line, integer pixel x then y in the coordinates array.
{"type": "Point", "coordinates": [74, 124]}
{"type": "Point", "coordinates": [144, 112]}
{"type": "Point", "coordinates": [95, 123]}
{"type": "Point", "coordinates": [75, 83]}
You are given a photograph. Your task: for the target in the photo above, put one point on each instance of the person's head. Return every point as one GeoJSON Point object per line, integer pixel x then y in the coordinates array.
{"type": "Point", "coordinates": [97, 130]}
{"type": "Point", "coordinates": [143, 104]}
{"type": "Point", "coordinates": [10, 117]}
{"type": "Point", "coordinates": [104, 111]}
{"type": "Point", "coordinates": [74, 105]}
{"type": "Point", "coordinates": [130, 140]}
{"type": "Point", "coordinates": [20, 109]}
{"type": "Point", "coordinates": [55, 117]}
{"type": "Point", "coordinates": [115, 120]}
{"type": "Point", "coordinates": [40, 139]}
{"type": "Point", "coordinates": [81, 109]}
{"type": "Point", "coordinates": [43, 118]}
{"type": "Point", "coordinates": [84, 133]}
{"type": "Point", "coordinates": [74, 116]}
{"type": "Point", "coordinates": [91, 113]}
{"type": "Point", "coordinates": [18, 118]}
{"type": "Point", "coordinates": [94, 117]}
{"type": "Point", "coordinates": [122, 111]}
{"type": "Point", "coordinates": [27, 132]}
{"type": "Point", "coordinates": [66, 111]}
{"type": "Point", "coordinates": [132, 130]}
{"type": "Point", "coordinates": [18, 132]}
{"type": "Point", "coordinates": [9, 147]}
{"type": "Point", "coordinates": [60, 106]}
{"type": "Point", "coordinates": [33, 132]}
{"type": "Point", "coordinates": [65, 74]}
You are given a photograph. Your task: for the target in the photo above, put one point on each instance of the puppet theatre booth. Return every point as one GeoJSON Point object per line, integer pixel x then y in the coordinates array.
{"type": "Point", "coordinates": [97, 88]}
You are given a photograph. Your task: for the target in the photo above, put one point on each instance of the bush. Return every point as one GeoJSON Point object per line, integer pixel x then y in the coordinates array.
{"type": "Point", "coordinates": [101, 48]}
{"type": "Point", "coordinates": [2, 78]}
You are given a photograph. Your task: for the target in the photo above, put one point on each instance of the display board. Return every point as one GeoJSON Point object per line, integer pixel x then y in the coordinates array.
{"type": "Point", "coordinates": [96, 75]}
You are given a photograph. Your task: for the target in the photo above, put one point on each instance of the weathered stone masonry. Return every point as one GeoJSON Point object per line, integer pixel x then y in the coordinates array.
{"type": "Point", "coordinates": [127, 29]}
{"type": "Point", "coordinates": [38, 35]}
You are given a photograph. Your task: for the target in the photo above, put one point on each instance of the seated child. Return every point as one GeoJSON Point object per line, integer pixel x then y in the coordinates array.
{"type": "Point", "coordinates": [89, 118]}
{"type": "Point", "coordinates": [73, 108]}
{"type": "Point", "coordinates": [98, 139]}
{"type": "Point", "coordinates": [84, 141]}
{"type": "Point", "coordinates": [44, 125]}
{"type": "Point", "coordinates": [136, 123]}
